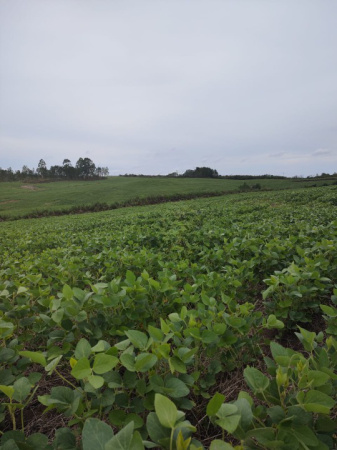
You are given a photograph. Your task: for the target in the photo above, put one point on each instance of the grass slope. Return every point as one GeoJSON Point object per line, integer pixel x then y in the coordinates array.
{"type": "Point", "coordinates": [19, 198]}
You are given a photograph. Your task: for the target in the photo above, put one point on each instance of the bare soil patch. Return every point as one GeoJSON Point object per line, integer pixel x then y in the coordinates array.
{"type": "Point", "coordinates": [30, 187]}
{"type": "Point", "coordinates": [8, 201]}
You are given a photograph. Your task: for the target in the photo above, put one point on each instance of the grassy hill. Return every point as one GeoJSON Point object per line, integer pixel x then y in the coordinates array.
{"type": "Point", "coordinates": [19, 199]}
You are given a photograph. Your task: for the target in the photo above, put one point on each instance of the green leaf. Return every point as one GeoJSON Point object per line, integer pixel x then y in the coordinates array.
{"type": "Point", "coordinates": [101, 346]}
{"type": "Point", "coordinates": [329, 311]}
{"type": "Point", "coordinates": [104, 363]}
{"type": "Point", "coordinates": [6, 329]}
{"type": "Point", "coordinates": [176, 388]}
{"type": "Point", "coordinates": [276, 413]}
{"type": "Point", "coordinates": [67, 292]}
{"type": "Point", "coordinates": [220, 445]}
{"type": "Point", "coordinates": [317, 378]}
{"type": "Point", "coordinates": [95, 434]}
{"type": "Point", "coordinates": [128, 361]}
{"type": "Point", "coordinates": [318, 402]}
{"type": "Point", "coordinates": [137, 442]}
{"type": "Point", "coordinates": [245, 411]}
{"type": "Point", "coordinates": [130, 278]}
{"type": "Point", "coordinates": [36, 357]}
{"type": "Point", "coordinates": [176, 365]}
{"type": "Point", "coordinates": [256, 380]}
{"type": "Point", "coordinates": [21, 290]}
{"type": "Point", "coordinates": [96, 381]}
{"type": "Point", "coordinates": [145, 361]}
{"type": "Point", "coordinates": [83, 349]}
{"type": "Point", "coordinates": [214, 404]}
{"type": "Point", "coordinates": [306, 435]}
{"type": "Point", "coordinates": [57, 316]}
{"type": "Point", "coordinates": [156, 334]}
{"type": "Point", "coordinates": [272, 322]}
{"type": "Point", "coordinates": [166, 411]}
{"type": "Point", "coordinates": [22, 388]}
{"type": "Point", "coordinates": [7, 390]}
{"type": "Point", "coordinates": [50, 367]}
{"type": "Point", "coordinates": [229, 423]}
{"type": "Point", "coordinates": [64, 440]}
{"type": "Point", "coordinates": [38, 441]}
{"type": "Point", "coordinates": [81, 369]}
{"type": "Point", "coordinates": [122, 440]}
{"type": "Point", "coordinates": [138, 338]}
{"type": "Point", "coordinates": [156, 431]}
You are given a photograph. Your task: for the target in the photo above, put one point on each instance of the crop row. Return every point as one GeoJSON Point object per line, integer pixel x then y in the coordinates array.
{"type": "Point", "coordinates": [131, 324]}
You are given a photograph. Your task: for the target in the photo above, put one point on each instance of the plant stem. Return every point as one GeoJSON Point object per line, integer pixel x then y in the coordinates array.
{"type": "Point", "coordinates": [67, 381]}
{"type": "Point", "coordinates": [22, 422]}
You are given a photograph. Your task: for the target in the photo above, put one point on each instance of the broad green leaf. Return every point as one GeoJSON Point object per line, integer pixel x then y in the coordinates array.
{"type": "Point", "coordinates": [128, 361]}
{"type": "Point", "coordinates": [81, 369]}
{"type": "Point", "coordinates": [272, 322]}
{"type": "Point", "coordinates": [229, 423]}
{"type": "Point", "coordinates": [144, 362]}
{"type": "Point", "coordinates": [256, 380]}
{"type": "Point", "coordinates": [101, 346]}
{"type": "Point", "coordinates": [50, 367]}
{"type": "Point", "coordinates": [156, 431]}
{"type": "Point", "coordinates": [22, 388]}
{"type": "Point", "coordinates": [226, 409]}
{"type": "Point", "coordinates": [96, 381]}
{"type": "Point", "coordinates": [220, 445]}
{"type": "Point", "coordinates": [21, 290]}
{"type": "Point", "coordinates": [6, 329]}
{"type": "Point", "coordinates": [317, 378]}
{"type": "Point", "coordinates": [95, 434]}
{"type": "Point", "coordinates": [38, 441]}
{"type": "Point", "coordinates": [176, 388]}
{"type": "Point", "coordinates": [138, 338]}
{"type": "Point", "coordinates": [156, 333]}
{"type": "Point", "coordinates": [245, 411]}
{"type": "Point", "coordinates": [122, 440]}
{"type": "Point", "coordinates": [104, 363]}
{"type": "Point", "coordinates": [130, 278]}
{"type": "Point", "coordinates": [36, 357]}
{"type": "Point", "coordinates": [318, 402]}
{"type": "Point", "coordinates": [57, 316]}
{"type": "Point", "coordinates": [7, 390]}
{"type": "Point", "coordinates": [329, 311]}
{"type": "Point", "coordinates": [166, 411]}
{"type": "Point", "coordinates": [214, 404]}
{"type": "Point", "coordinates": [83, 349]}
{"type": "Point", "coordinates": [137, 442]}
{"type": "Point", "coordinates": [67, 292]}
{"type": "Point", "coordinates": [176, 365]}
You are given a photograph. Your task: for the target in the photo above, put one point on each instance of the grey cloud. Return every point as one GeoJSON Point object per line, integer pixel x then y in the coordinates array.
{"type": "Point", "coordinates": [322, 152]}
{"type": "Point", "coordinates": [246, 86]}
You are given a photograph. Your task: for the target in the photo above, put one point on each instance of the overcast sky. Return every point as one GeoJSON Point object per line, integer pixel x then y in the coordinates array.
{"type": "Point", "coordinates": [156, 86]}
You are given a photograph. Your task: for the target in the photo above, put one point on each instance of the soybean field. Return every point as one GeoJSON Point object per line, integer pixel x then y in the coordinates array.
{"type": "Point", "coordinates": [201, 324]}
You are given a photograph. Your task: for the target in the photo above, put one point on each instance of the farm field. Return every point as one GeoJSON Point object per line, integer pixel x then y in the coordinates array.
{"type": "Point", "coordinates": [18, 199]}
{"type": "Point", "coordinates": [201, 324]}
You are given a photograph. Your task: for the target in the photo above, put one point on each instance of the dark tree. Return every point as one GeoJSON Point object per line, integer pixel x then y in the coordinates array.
{"type": "Point", "coordinates": [42, 170]}
{"type": "Point", "coordinates": [201, 172]}
{"type": "Point", "coordinates": [85, 168]}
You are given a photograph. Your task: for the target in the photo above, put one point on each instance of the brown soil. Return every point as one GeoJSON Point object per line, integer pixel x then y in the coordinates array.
{"type": "Point", "coordinates": [30, 187]}
{"type": "Point", "coordinates": [8, 201]}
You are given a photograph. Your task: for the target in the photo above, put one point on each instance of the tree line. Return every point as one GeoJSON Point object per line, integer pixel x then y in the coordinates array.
{"type": "Point", "coordinates": [84, 169]}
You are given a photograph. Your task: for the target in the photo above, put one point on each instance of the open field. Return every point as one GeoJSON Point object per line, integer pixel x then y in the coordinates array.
{"type": "Point", "coordinates": [116, 321]}
{"type": "Point", "coordinates": [19, 199]}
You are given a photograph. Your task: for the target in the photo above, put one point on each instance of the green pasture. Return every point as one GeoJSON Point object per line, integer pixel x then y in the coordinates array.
{"type": "Point", "coordinates": [19, 198]}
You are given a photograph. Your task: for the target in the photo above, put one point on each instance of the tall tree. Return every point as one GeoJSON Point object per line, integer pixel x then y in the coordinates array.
{"type": "Point", "coordinates": [85, 168]}
{"type": "Point", "coordinates": [42, 168]}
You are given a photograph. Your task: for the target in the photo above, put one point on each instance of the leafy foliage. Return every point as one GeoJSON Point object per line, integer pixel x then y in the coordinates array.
{"type": "Point", "coordinates": [134, 316]}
